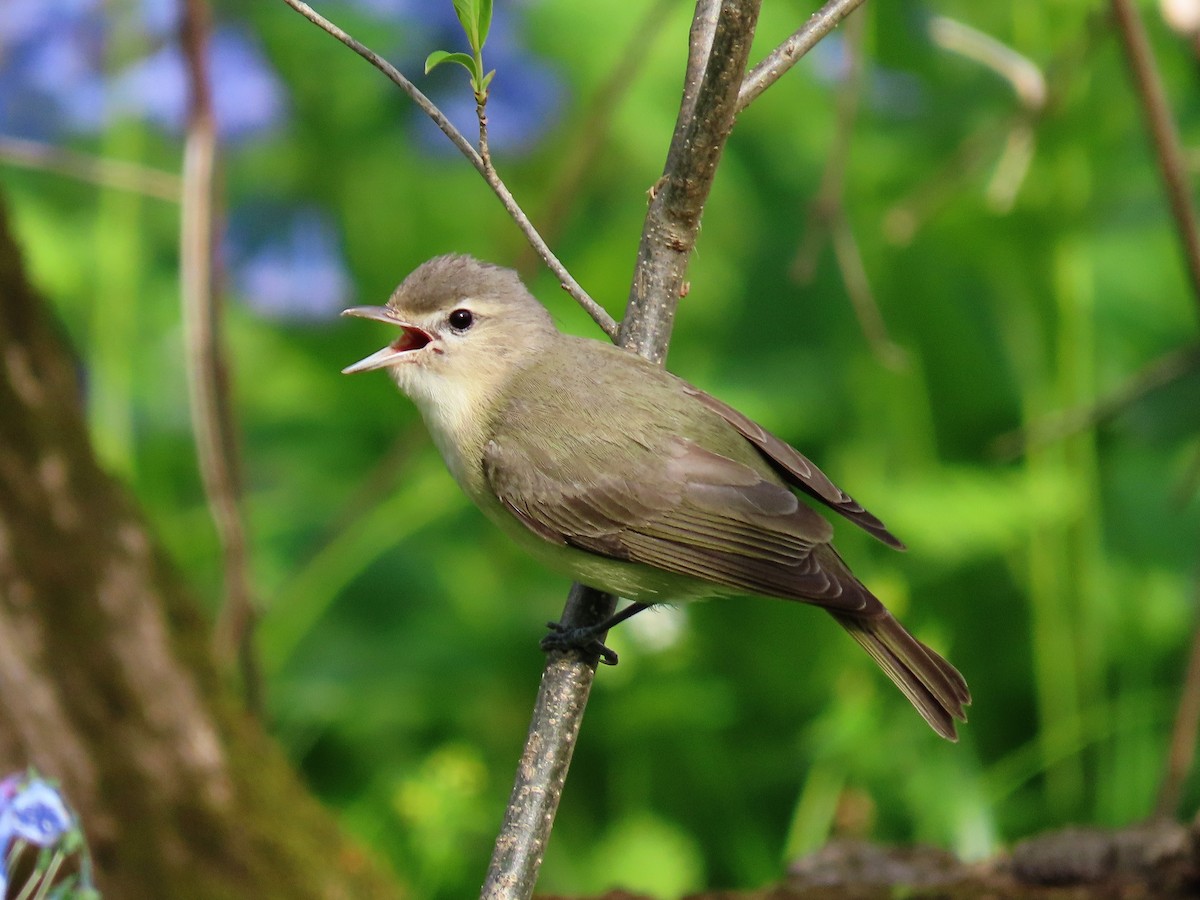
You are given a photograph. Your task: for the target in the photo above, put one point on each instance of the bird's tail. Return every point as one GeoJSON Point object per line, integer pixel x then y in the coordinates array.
{"type": "Point", "coordinates": [930, 683]}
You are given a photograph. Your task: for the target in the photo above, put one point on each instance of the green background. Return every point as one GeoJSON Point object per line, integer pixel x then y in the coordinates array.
{"type": "Point", "coordinates": [400, 631]}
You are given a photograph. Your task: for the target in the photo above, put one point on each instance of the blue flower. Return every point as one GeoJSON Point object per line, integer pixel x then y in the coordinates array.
{"type": "Point", "coordinates": [36, 814]}
{"type": "Point", "coordinates": [50, 62]}
{"type": "Point", "coordinates": [52, 77]}
{"type": "Point", "coordinates": [391, 9]}
{"type": "Point", "coordinates": [297, 272]}
{"type": "Point", "coordinates": [33, 811]}
{"type": "Point", "coordinates": [248, 97]}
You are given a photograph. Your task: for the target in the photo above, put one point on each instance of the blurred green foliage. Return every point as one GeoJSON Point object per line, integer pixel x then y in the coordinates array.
{"type": "Point", "coordinates": [400, 632]}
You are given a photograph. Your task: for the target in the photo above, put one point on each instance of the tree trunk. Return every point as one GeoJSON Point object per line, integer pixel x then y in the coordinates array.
{"type": "Point", "coordinates": [106, 682]}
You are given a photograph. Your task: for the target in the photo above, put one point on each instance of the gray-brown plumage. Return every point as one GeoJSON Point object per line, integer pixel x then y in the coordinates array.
{"type": "Point", "coordinates": [615, 472]}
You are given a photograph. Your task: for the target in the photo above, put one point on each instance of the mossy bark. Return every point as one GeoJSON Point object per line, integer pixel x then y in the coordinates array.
{"type": "Point", "coordinates": [106, 680]}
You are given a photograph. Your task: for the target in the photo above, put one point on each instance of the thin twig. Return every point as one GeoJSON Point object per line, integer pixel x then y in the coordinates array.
{"type": "Point", "coordinates": [1169, 154]}
{"type": "Point", "coordinates": [1028, 84]}
{"type": "Point", "coordinates": [1164, 134]}
{"type": "Point", "coordinates": [719, 44]}
{"type": "Point", "coordinates": [862, 298]}
{"type": "Point", "coordinates": [829, 204]}
{"type": "Point", "coordinates": [1026, 79]}
{"type": "Point", "coordinates": [572, 287]}
{"type": "Point", "coordinates": [787, 54]}
{"type": "Point", "coordinates": [111, 173]}
{"type": "Point", "coordinates": [590, 138]}
{"type": "Point", "coordinates": [1173, 167]}
{"type": "Point", "coordinates": [905, 217]}
{"type": "Point", "coordinates": [828, 217]}
{"type": "Point", "coordinates": [207, 375]}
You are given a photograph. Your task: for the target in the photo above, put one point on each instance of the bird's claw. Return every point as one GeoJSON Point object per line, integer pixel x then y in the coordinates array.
{"type": "Point", "coordinates": [563, 638]}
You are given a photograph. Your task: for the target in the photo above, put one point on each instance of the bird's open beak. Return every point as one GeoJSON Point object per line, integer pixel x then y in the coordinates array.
{"type": "Point", "coordinates": [411, 338]}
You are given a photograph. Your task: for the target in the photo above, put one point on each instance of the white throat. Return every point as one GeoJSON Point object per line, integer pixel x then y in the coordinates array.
{"type": "Point", "coordinates": [453, 410]}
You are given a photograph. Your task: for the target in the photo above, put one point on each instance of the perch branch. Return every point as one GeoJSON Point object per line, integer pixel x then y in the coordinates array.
{"type": "Point", "coordinates": [719, 44]}
{"type": "Point", "coordinates": [572, 287]}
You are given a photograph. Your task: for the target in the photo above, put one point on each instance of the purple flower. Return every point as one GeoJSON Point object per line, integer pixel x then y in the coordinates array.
{"type": "Point", "coordinates": [31, 811]}
{"type": "Point", "coordinates": [391, 9]}
{"type": "Point", "coordinates": [52, 72]}
{"type": "Point", "coordinates": [297, 272]}
{"type": "Point", "coordinates": [36, 814]}
{"type": "Point", "coordinates": [50, 57]}
{"type": "Point", "coordinates": [248, 96]}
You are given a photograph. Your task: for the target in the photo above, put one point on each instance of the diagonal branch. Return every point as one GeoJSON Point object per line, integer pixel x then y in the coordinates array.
{"type": "Point", "coordinates": [787, 54]}
{"type": "Point", "coordinates": [113, 173]}
{"type": "Point", "coordinates": [590, 306]}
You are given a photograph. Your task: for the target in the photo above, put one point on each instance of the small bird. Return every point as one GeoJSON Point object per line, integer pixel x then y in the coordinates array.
{"type": "Point", "coordinates": [609, 469]}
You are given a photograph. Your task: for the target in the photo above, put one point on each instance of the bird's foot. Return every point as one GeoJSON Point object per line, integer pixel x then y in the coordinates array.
{"type": "Point", "coordinates": [563, 638]}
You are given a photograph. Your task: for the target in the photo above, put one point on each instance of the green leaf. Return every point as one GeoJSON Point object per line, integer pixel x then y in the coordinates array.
{"type": "Point", "coordinates": [437, 57]}
{"type": "Point", "coordinates": [487, 79]}
{"type": "Point", "coordinates": [483, 19]}
{"type": "Point", "coordinates": [468, 13]}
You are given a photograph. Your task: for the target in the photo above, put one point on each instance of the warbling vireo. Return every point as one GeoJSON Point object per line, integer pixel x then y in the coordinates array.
{"type": "Point", "coordinates": [611, 470]}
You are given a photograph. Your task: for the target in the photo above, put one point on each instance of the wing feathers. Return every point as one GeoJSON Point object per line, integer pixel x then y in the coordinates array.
{"type": "Point", "coordinates": [678, 507]}
{"type": "Point", "coordinates": [798, 469]}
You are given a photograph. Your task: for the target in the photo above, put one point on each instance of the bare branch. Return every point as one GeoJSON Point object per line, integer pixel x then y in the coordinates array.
{"type": "Point", "coordinates": [1165, 136]}
{"type": "Point", "coordinates": [1027, 80]}
{"type": "Point", "coordinates": [828, 217]}
{"type": "Point", "coordinates": [677, 200]}
{"type": "Point", "coordinates": [787, 54]}
{"type": "Point", "coordinates": [207, 375]}
{"type": "Point", "coordinates": [542, 771]}
{"type": "Point", "coordinates": [862, 298]}
{"type": "Point", "coordinates": [590, 306]}
{"type": "Point", "coordinates": [112, 173]}
{"type": "Point", "coordinates": [720, 42]}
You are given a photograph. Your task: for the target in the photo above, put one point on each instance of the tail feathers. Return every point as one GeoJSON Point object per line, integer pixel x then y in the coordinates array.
{"type": "Point", "coordinates": [931, 684]}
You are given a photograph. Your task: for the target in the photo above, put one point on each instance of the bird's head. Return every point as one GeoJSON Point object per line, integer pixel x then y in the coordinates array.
{"type": "Point", "coordinates": [465, 326]}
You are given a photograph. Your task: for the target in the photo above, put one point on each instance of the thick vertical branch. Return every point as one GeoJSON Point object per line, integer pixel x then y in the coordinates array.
{"type": "Point", "coordinates": [677, 200]}
{"type": "Point", "coordinates": [207, 376]}
{"type": "Point", "coordinates": [720, 43]}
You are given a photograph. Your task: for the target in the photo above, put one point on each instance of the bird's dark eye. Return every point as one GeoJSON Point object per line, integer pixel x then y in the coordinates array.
{"type": "Point", "coordinates": [461, 319]}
